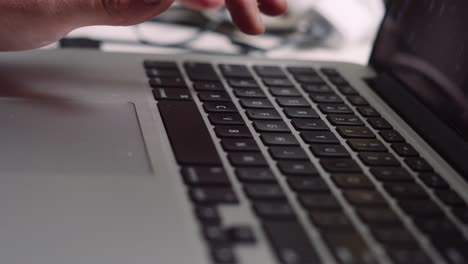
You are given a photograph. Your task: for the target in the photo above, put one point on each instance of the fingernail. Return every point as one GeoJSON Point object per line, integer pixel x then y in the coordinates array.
{"type": "Point", "coordinates": [151, 2]}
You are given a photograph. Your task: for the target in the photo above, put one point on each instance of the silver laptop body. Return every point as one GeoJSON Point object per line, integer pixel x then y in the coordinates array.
{"type": "Point", "coordinates": [88, 173]}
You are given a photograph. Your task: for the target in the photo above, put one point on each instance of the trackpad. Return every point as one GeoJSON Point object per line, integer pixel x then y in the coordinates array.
{"type": "Point", "coordinates": [70, 138]}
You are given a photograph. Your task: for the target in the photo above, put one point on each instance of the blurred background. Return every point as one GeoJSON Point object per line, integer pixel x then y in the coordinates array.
{"type": "Point", "coordinates": [311, 30]}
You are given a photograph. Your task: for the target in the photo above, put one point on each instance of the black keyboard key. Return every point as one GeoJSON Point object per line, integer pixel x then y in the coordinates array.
{"type": "Point", "coordinates": [220, 107]}
{"type": "Point", "coordinates": [309, 185]}
{"type": "Point", "coordinates": [165, 73]}
{"type": "Point", "coordinates": [249, 93]}
{"type": "Point", "coordinates": [365, 198]}
{"type": "Point", "coordinates": [450, 198]}
{"type": "Point", "coordinates": [214, 97]}
{"type": "Point", "coordinates": [256, 103]}
{"type": "Point", "coordinates": [176, 82]}
{"type": "Point", "coordinates": [241, 234]}
{"type": "Point", "coordinates": [301, 113]}
{"type": "Point", "coordinates": [288, 153]}
{"type": "Point", "coordinates": [379, 216]}
{"type": "Point", "coordinates": [243, 83]}
{"type": "Point", "coordinates": [326, 98]}
{"type": "Point", "coordinates": [421, 208]}
{"type": "Point", "coordinates": [292, 102]}
{"type": "Point", "coordinates": [357, 100]}
{"type": "Point", "coordinates": [329, 151]}
{"type": "Point", "coordinates": [433, 180]}
{"type": "Point", "coordinates": [418, 164]}
{"type": "Point", "coordinates": [223, 255]}
{"type": "Point", "coordinates": [309, 79]}
{"type": "Point", "coordinates": [392, 174]}
{"type": "Point", "coordinates": [370, 145]}
{"type": "Point", "coordinates": [337, 80]}
{"type": "Point", "coordinates": [345, 120]}
{"type": "Point", "coordinates": [319, 137]}
{"type": "Point", "coordinates": [404, 150]}
{"type": "Point", "coordinates": [379, 159]}
{"type": "Point", "coordinates": [226, 119]}
{"type": "Point", "coordinates": [279, 139]}
{"type": "Point", "coordinates": [167, 65]}
{"type": "Point", "coordinates": [200, 71]}
{"type": "Point", "coordinates": [277, 82]}
{"type": "Point", "coordinates": [290, 242]}
{"type": "Point", "coordinates": [232, 132]}
{"type": "Point", "coordinates": [215, 234]}
{"type": "Point", "coordinates": [197, 175]}
{"type": "Point", "coordinates": [274, 210]}
{"type": "Point", "coordinates": [270, 71]}
{"type": "Point", "coordinates": [245, 159]}
{"type": "Point", "coordinates": [239, 144]}
{"type": "Point", "coordinates": [212, 195]}
{"type": "Point", "coordinates": [461, 214]}
{"type": "Point", "coordinates": [264, 192]}
{"type": "Point", "coordinates": [454, 251]}
{"type": "Point", "coordinates": [391, 136]}
{"type": "Point", "coordinates": [270, 126]}
{"type": "Point", "coordinates": [284, 92]}
{"type": "Point", "coordinates": [235, 71]}
{"type": "Point", "coordinates": [437, 228]}
{"type": "Point", "coordinates": [302, 71]}
{"type": "Point", "coordinates": [186, 149]}
{"type": "Point", "coordinates": [309, 124]}
{"type": "Point", "coordinates": [207, 214]}
{"type": "Point", "coordinates": [349, 248]}
{"type": "Point", "coordinates": [319, 202]}
{"type": "Point", "coordinates": [208, 86]}
{"type": "Point", "coordinates": [255, 175]}
{"type": "Point", "coordinates": [355, 132]}
{"type": "Point", "coordinates": [408, 255]}
{"type": "Point", "coordinates": [172, 94]}
{"type": "Point", "coordinates": [368, 111]}
{"type": "Point", "coordinates": [340, 165]}
{"type": "Point", "coordinates": [335, 109]}
{"type": "Point", "coordinates": [330, 72]}
{"type": "Point", "coordinates": [263, 114]}
{"type": "Point", "coordinates": [330, 220]}
{"type": "Point", "coordinates": [405, 191]}
{"type": "Point", "coordinates": [394, 236]}
{"type": "Point", "coordinates": [297, 168]}
{"type": "Point", "coordinates": [318, 89]}
{"type": "Point", "coordinates": [379, 123]}
{"type": "Point", "coordinates": [352, 181]}
{"type": "Point", "coordinates": [347, 90]}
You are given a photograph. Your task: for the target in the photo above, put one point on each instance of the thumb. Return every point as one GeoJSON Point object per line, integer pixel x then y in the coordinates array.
{"type": "Point", "coordinates": [119, 12]}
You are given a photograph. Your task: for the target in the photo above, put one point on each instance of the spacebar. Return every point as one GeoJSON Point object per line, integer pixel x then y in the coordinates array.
{"type": "Point", "coordinates": [188, 134]}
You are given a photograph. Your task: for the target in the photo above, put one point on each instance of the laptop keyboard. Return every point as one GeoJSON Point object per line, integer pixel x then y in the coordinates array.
{"type": "Point", "coordinates": [380, 188]}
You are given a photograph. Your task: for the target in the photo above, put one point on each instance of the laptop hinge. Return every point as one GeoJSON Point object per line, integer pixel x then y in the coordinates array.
{"type": "Point", "coordinates": [442, 138]}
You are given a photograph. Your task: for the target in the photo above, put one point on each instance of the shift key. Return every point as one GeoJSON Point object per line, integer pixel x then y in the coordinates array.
{"type": "Point", "coordinates": [290, 242]}
{"type": "Point", "coordinates": [188, 134]}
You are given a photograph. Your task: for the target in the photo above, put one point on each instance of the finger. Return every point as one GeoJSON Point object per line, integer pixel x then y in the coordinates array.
{"type": "Point", "coordinates": [246, 15]}
{"type": "Point", "coordinates": [120, 12]}
{"type": "Point", "coordinates": [202, 4]}
{"type": "Point", "coordinates": [273, 7]}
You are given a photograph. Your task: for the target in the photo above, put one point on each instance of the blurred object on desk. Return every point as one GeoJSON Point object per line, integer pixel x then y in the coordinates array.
{"type": "Point", "coordinates": [312, 29]}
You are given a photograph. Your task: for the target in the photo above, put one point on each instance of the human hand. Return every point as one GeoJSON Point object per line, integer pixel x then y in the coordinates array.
{"type": "Point", "coordinates": [35, 23]}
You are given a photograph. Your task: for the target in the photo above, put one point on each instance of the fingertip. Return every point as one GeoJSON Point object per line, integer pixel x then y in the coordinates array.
{"type": "Point", "coordinates": [203, 4]}
{"type": "Point", "coordinates": [273, 7]}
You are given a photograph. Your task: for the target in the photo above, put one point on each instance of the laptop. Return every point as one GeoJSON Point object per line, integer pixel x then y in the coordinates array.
{"type": "Point", "coordinates": [123, 158]}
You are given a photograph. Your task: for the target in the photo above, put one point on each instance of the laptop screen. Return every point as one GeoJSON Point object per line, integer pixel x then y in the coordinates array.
{"type": "Point", "coordinates": [425, 45]}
